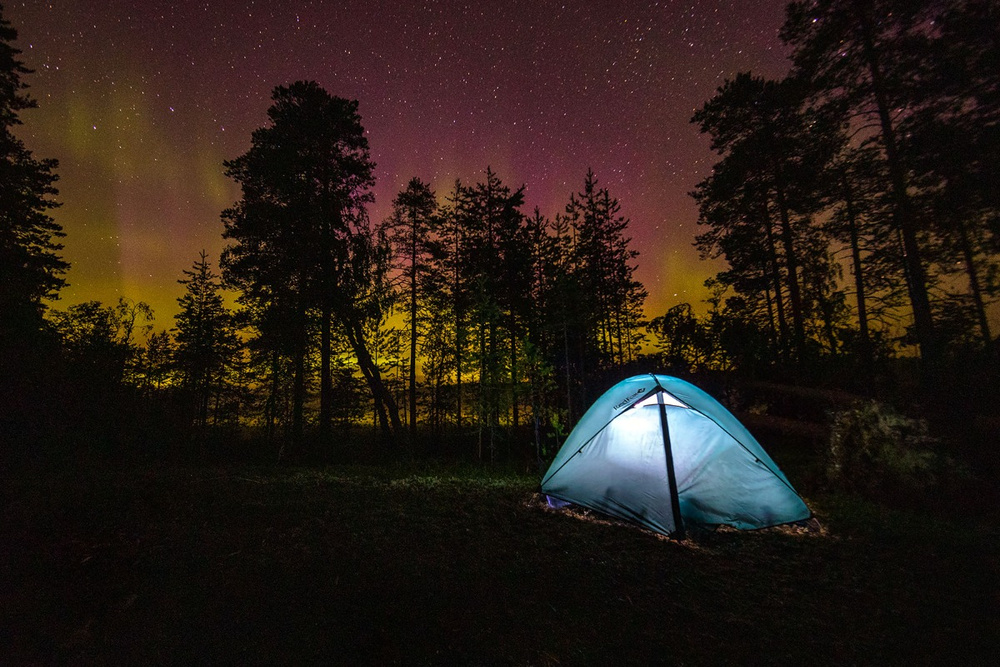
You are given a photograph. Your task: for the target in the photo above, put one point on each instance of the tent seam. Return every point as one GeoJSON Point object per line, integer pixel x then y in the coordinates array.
{"type": "Point", "coordinates": [756, 458]}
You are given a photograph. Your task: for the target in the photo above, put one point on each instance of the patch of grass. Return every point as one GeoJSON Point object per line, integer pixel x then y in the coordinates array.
{"type": "Point", "coordinates": [436, 564]}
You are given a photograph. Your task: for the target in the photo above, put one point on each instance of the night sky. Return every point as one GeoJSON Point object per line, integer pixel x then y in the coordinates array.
{"type": "Point", "coordinates": [142, 101]}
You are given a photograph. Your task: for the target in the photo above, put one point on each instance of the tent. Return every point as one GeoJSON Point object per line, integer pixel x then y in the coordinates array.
{"type": "Point", "coordinates": [658, 451]}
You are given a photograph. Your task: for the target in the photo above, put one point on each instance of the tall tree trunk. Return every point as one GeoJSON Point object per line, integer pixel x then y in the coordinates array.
{"type": "Point", "coordinates": [436, 425]}
{"type": "Point", "coordinates": [383, 397]}
{"type": "Point", "coordinates": [569, 378]}
{"type": "Point", "coordinates": [617, 356]}
{"type": "Point", "coordinates": [791, 265]}
{"type": "Point", "coordinates": [493, 394]}
{"type": "Point", "coordinates": [859, 280]}
{"type": "Point", "coordinates": [779, 301]}
{"type": "Point", "coordinates": [206, 398]}
{"type": "Point", "coordinates": [299, 374]}
{"type": "Point", "coordinates": [458, 376]}
{"type": "Point", "coordinates": [583, 365]}
{"type": "Point", "coordinates": [970, 269]}
{"type": "Point", "coordinates": [325, 377]}
{"type": "Point", "coordinates": [916, 277]}
{"type": "Point", "coordinates": [770, 312]}
{"type": "Point", "coordinates": [459, 337]}
{"type": "Point", "coordinates": [328, 221]}
{"type": "Point", "coordinates": [481, 399]}
{"type": "Point", "coordinates": [203, 400]}
{"type": "Point", "coordinates": [380, 419]}
{"type": "Point", "coordinates": [216, 396]}
{"type": "Point", "coordinates": [826, 311]}
{"type": "Point", "coordinates": [298, 398]}
{"type": "Point", "coordinates": [271, 405]}
{"type": "Point", "coordinates": [413, 326]}
{"type": "Point", "coordinates": [515, 415]}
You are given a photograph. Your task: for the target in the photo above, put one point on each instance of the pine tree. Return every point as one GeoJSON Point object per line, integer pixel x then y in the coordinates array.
{"type": "Point", "coordinates": [861, 222]}
{"type": "Point", "coordinates": [31, 269]}
{"type": "Point", "coordinates": [495, 282]}
{"type": "Point", "coordinates": [773, 151]}
{"type": "Point", "coordinates": [953, 146]}
{"type": "Point", "coordinates": [855, 57]}
{"type": "Point", "coordinates": [450, 274]}
{"type": "Point", "coordinates": [30, 266]}
{"type": "Point", "coordinates": [205, 339]}
{"type": "Point", "coordinates": [604, 267]}
{"type": "Point", "coordinates": [410, 225]}
{"type": "Point", "coordinates": [302, 244]}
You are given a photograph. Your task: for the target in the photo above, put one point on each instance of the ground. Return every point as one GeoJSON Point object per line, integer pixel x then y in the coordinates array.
{"type": "Point", "coordinates": [428, 564]}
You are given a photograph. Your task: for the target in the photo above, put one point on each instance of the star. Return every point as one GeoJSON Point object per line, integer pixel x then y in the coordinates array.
{"type": "Point", "coordinates": [537, 90]}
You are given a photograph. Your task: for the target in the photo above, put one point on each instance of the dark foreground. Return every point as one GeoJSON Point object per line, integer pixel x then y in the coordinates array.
{"type": "Point", "coordinates": [375, 566]}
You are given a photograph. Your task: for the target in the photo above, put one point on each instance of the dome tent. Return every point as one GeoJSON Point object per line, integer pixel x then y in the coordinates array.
{"type": "Point", "coordinates": [658, 451]}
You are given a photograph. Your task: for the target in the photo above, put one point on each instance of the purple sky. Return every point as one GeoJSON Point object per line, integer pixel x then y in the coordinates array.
{"type": "Point", "coordinates": [141, 103]}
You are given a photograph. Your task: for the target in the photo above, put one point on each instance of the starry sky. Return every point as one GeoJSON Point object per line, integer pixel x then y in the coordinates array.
{"type": "Point", "coordinates": [142, 101]}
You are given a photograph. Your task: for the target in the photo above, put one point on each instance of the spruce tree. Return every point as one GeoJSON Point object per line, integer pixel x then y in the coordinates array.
{"type": "Point", "coordinates": [604, 268]}
{"type": "Point", "coordinates": [31, 269]}
{"type": "Point", "coordinates": [410, 225]}
{"type": "Point", "coordinates": [30, 266]}
{"type": "Point", "coordinates": [205, 338]}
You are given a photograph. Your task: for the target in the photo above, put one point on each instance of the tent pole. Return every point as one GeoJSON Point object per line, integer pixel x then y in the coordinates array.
{"type": "Point", "coordinates": [675, 504]}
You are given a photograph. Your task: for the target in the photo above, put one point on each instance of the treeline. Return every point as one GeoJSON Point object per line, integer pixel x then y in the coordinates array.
{"type": "Point", "coordinates": [506, 318]}
{"type": "Point", "coordinates": [855, 201]}
{"type": "Point", "coordinates": [460, 315]}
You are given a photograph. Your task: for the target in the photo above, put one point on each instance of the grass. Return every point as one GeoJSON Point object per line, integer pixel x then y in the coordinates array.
{"type": "Point", "coordinates": [435, 565]}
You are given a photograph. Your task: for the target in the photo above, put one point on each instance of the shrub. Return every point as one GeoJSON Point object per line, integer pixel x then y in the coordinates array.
{"type": "Point", "coordinates": [875, 450]}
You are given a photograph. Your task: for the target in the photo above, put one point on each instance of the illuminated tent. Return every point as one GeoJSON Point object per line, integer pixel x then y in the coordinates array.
{"type": "Point", "coordinates": [659, 452]}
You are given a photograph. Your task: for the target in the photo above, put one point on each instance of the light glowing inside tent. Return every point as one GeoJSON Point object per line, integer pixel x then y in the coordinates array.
{"type": "Point", "coordinates": [658, 398]}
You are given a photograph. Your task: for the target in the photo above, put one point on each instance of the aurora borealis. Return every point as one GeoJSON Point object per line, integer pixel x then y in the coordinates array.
{"type": "Point", "coordinates": [141, 103]}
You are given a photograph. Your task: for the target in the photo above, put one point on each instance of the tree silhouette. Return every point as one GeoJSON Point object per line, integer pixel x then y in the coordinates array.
{"type": "Point", "coordinates": [682, 339]}
{"type": "Point", "coordinates": [854, 55]}
{"type": "Point", "coordinates": [953, 147]}
{"type": "Point", "coordinates": [102, 339]}
{"type": "Point", "coordinates": [205, 339]}
{"type": "Point", "coordinates": [516, 301]}
{"type": "Point", "coordinates": [497, 281]}
{"type": "Point", "coordinates": [479, 275]}
{"type": "Point", "coordinates": [103, 365]}
{"type": "Point", "coordinates": [860, 220]}
{"type": "Point", "coordinates": [609, 301]}
{"type": "Point", "coordinates": [410, 225]}
{"type": "Point", "coordinates": [773, 154]}
{"type": "Point", "coordinates": [30, 266]}
{"type": "Point", "coordinates": [302, 244]}
{"type": "Point", "coordinates": [452, 298]}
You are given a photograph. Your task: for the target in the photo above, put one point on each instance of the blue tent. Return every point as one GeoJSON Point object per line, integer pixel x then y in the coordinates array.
{"type": "Point", "coordinates": [658, 451]}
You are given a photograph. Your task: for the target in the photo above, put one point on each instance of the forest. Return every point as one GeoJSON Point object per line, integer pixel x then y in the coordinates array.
{"type": "Point", "coordinates": [853, 203]}
{"type": "Point", "coordinates": [332, 453]}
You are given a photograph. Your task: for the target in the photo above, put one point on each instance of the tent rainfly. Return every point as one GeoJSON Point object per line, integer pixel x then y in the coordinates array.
{"type": "Point", "coordinates": [658, 451]}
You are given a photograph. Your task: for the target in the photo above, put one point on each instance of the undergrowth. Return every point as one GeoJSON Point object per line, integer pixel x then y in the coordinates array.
{"type": "Point", "coordinates": [878, 452]}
